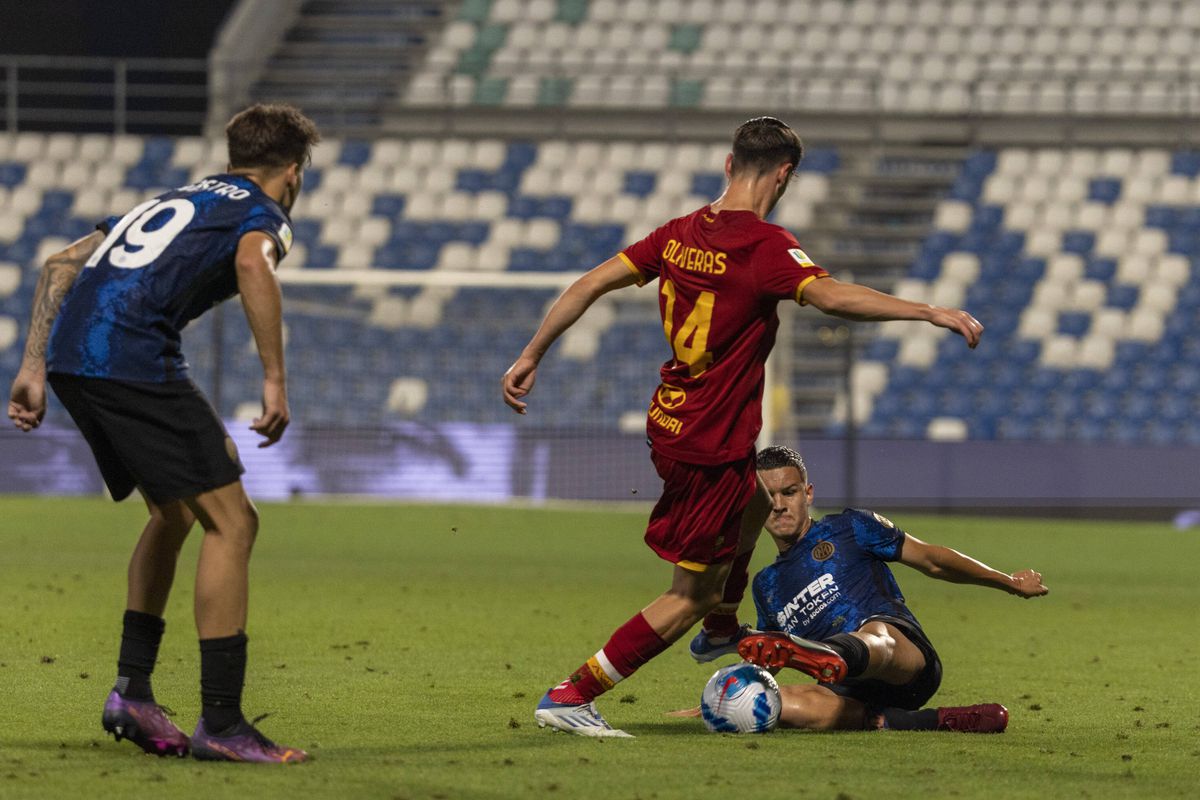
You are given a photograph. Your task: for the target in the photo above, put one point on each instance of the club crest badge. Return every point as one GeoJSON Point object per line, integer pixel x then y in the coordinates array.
{"type": "Point", "coordinates": [671, 397]}
{"type": "Point", "coordinates": [823, 551]}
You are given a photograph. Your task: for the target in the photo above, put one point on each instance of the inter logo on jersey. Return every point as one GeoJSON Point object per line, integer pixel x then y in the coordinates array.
{"type": "Point", "coordinates": [801, 257]}
{"type": "Point", "coordinates": [285, 237]}
{"type": "Point", "coordinates": [823, 551]}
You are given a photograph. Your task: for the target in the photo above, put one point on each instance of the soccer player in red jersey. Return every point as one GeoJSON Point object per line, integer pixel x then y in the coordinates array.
{"type": "Point", "coordinates": [721, 272]}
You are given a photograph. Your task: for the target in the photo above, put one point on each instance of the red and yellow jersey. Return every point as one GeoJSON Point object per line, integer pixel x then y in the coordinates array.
{"type": "Point", "coordinates": [720, 277]}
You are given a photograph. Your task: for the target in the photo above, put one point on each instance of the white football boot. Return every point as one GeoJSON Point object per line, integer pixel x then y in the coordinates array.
{"type": "Point", "coordinates": [582, 720]}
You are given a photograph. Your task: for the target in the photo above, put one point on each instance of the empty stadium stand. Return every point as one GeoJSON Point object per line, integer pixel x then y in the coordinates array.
{"type": "Point", "coordinates": [931, 56]}
{"type": "Point", "coordinates": [1080, 262]}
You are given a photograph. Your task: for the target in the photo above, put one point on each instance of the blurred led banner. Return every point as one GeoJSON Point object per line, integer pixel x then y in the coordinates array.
{"type": "Point", "coordinates": [475, 462]}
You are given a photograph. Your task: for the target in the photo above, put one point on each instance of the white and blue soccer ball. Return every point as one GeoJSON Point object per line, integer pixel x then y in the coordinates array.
{"type": "Point", "coordinates": [742, 698]}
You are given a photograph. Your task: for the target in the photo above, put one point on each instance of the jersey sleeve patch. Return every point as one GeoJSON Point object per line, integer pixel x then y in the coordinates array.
{"type": "Point", "coordinates": [285, 237]}
{"type": "Point", "coordinates": [801, 257]}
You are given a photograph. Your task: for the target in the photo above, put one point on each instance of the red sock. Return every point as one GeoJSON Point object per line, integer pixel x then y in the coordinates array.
{"type": "Point", "coordinates": [631, 645]}
{"type": "Point", "coordinates": [723, 620]}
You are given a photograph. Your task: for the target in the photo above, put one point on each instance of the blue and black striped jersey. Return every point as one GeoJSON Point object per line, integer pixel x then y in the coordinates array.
{"type": "Point", "coordinates": [834, 578]}
{"type": "Point", "coordinates": [161, 265]}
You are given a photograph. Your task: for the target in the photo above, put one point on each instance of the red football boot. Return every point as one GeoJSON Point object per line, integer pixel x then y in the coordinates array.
{"type": "Point", "coordinates": [778, 650]}
{"type": "Point", "coordinates": [982, 718]}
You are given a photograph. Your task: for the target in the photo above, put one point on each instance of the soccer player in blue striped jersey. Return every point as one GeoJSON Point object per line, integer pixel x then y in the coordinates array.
{"type": "Point", "coordinates": [105, 334]}
{"type": "Point", "coordinates": [830, 607]}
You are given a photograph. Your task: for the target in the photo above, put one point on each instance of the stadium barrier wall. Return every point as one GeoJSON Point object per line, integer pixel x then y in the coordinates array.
{"type": "Point", "coordinates": [472, 462]}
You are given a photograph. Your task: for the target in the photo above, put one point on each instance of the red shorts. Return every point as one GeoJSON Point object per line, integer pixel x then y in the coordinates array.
{"type": "Point", "coordinates": [697, 521]}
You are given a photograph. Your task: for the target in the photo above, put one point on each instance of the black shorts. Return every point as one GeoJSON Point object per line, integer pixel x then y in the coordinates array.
{"type": "Point", "coordinates": [911, 696]}
{"type": "Point", "coordinates": [164, 437]}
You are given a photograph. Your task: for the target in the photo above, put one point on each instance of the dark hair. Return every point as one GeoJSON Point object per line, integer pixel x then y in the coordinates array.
{"type": "Point", "coordinates": [763, 143]}
{"type": "Point", "coordinates": [778, 457]}
{"type": "Point", "coordinates": [270, 135]}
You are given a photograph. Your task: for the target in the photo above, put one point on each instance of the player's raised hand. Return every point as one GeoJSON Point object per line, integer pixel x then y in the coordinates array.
{"type": "Point", "coordinates": [518, 382]}
{"type": "Point", "coordinates": [1028, 583]}
{"type": "Point", "coordinates": [275, 416]}
{"type": "Point", "coordinates": [960, 322]}
{"type": "Point", "coordinates": [27, 401]}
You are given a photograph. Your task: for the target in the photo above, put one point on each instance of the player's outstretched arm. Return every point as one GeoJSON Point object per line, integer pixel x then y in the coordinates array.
{"type": "Point", "coordinates": [27, 400]}
{"type": "Point", "coordinates": [569, 307]}
{"type": "Point", "coordinates": [263, 303]}
{"type": "Point", "coordinates": [851, 301]}
{"type": "Point", "coordinates": [950, 565]}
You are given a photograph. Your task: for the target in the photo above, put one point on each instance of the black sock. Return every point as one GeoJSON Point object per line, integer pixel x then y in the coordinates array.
{"type": "Point", "coordinates": [897, 719]}
{"type": "Point", "coordinates": [141, 635]}
{"type": "Point", "coordinates": [852, 650]}
{"type": "Point", "coordinates": [222, 674]}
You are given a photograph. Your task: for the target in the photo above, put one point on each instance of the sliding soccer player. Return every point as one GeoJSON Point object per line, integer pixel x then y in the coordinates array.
{"type": "Point", "coordinates": [721, 272]}
{"type": "Point", "coordinates": [107, 313]}
{"type": "Point", "coordinates": [830, 607]}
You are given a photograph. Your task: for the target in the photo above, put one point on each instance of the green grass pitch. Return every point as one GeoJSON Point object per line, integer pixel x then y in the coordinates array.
{"type": "Point", "coordinates": [405, 646]}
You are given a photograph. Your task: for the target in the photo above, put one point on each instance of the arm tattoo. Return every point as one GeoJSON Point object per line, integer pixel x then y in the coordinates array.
{"type": "Point", "coordinates": [58, 275]}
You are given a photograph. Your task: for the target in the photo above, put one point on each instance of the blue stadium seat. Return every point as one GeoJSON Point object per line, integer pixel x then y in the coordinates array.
{"type": "Point", "coordinates": [306, 231]}
{"type": "Point", "coordinates": [388, 205]}
{"type": "Point", "coordinates": [819, 159]}
{"type": "Point", "coordinates": [321, 256]}
{"type": "Point", "coordinates": [520, 155]}
{"type": "Point", "coordinates": [881, 350]}
{"type": "Point", "coordinates": [987, 218]}
{"type": "Point", "coordinates": [1079, 381]}
{"type": "Point", "coordinates": [524, 259]}
{"type": "Point", "coordinates": [1080, 242]}
{"type": "Point", "coordinates": [556, 207]}
{"type": "Point", "coordinates": [979, 164]}
{"type": "Point", "coordinates": [708, 184]}
{"type": "Point", "coordinates": [1123, 295]}
{"type": "Point", "coordinates": [507, 178]}
{"type": "Point", "coordinates": [312, 179]}
{"type": "Point", "coordinates": [1100, 269]}
{"type": "Point", "coordinates": [1184, 241]}
{"type": "Point", "coordinates": [1104, 190]}
{"type": "Point", "coordinates": [355, 153]}
{"type": "Point", "coordinates": [640, 183]}
{"type": "Point", "coordinates": [473, 180]}
{"type": "Point", "coordinates": [1161, 217]}
{"type": "Point", "coordinates": [158, 150]}
{"type": "Point", "coordinates": [1186, 162]}
{"type": "Point", "coordinates": [926, 267]}
{"type": "Point", "coordinates": [12, 173]}
{"type": "Point", "coordinates": [1030, 270]}
{"type": "Point", "coordinates": [475, 233]}
{"type": "Point", "coordinates": [967, 188]}
{"type": "Point", "coordinates": [1074, 323]}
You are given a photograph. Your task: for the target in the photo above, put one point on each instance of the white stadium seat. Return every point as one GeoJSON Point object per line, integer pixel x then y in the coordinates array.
{"type": "Point", "coordinates": [1172, 269]}
{"type": "Point", "coordinates": [1087, 296]}
{"type": "Point", "coordinates": [917, 351]}
{"type": "Point", "coordinates": [1095, 352]}
{"type": "Point", "coordinates": [1064, 268]}
{"type": "Point", "coordinates": [10, 278]}
{"type": "Point", "coordinates": [953, 216]}
{"type": "Point", "coordinates": [962, 268]}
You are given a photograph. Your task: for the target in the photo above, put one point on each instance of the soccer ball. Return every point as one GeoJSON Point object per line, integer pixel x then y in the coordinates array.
{"type": "Point", "coordinates": [742, 698]}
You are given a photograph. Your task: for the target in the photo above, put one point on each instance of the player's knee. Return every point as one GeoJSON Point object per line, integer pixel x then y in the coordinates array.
{"type": "Point", "coordinates": [248, 523]}
{"type": "Point", "coordinates": [172, 521]}
{"type": "Point", "coordinates": [882, 647]}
